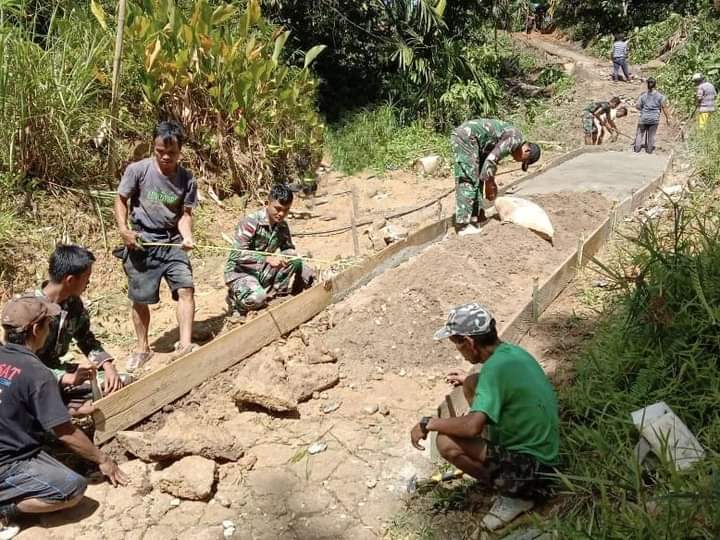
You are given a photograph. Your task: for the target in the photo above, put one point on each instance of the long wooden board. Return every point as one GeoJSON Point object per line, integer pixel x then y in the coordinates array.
{"type": "Point", "coordinates": [454, 403]}
{"type": "Point", "coordinates": [139, 400]}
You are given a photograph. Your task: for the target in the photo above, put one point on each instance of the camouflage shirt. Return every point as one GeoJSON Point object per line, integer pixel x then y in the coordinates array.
{"type": "Point", "coordinates": [73, 323]}
{"type": "Point", "coordinates": [255, 233]}
{"type": "Point", "coordinates": [496, 140]}
{"type": "Point", "coordinates": [593, 106]}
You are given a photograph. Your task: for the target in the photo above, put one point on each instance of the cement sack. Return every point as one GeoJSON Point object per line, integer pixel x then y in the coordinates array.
{"type": "Point", "coordinates": [526, 214]}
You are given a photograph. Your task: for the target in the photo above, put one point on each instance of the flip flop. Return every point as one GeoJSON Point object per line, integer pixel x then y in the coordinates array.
{"type": "Point", "coordinates": [137, 360]}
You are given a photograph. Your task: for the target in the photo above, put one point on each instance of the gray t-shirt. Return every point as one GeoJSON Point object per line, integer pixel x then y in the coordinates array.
{"type": "Point", "coordinates": [157, 201]}
{"type": "Point", "coordinates": [706, 95]}
{"type": "Point", "coordinates": [650, 105]}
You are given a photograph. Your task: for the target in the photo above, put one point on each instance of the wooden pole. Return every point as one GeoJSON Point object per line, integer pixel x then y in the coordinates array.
{"type": "Point", "coordinates": [115, 97]}
{"type": "Point", "coordinates": [353, 221]}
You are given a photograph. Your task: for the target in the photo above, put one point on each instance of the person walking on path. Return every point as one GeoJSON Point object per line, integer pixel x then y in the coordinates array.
{"type": "Point", "coordinates": [619, 56]}
{"type": "Point", "coordinates": [159, 195]}
{"type": "Point", "coordinates": [510, 396]}
{"type": "Point", "coordinates": [32, 481]}
{"type": "Point", "coordinates": [650, 104]}
{"type": "Point", "coordinates": [478, 145]}
{"type": "Point", "coordinates": [706, 96]}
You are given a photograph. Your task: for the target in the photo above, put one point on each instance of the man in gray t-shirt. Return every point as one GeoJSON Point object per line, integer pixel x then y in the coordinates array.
{"type": "Point", "coordinates": [158, 195]}
{"type": "Point", "coordinates": [650, 105]}
{"type": "Point", "coordinates": [705, 95]}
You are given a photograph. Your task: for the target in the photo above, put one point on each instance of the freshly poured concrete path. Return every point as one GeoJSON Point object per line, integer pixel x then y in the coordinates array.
{"type": "Point", "coordinates": [614, 174]}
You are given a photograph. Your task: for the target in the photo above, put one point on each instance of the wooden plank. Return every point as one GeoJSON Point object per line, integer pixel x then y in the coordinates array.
{"type": "Point", "coordinates": [519, 324]}
{"type": "Point", "coordinates": [142, 398]}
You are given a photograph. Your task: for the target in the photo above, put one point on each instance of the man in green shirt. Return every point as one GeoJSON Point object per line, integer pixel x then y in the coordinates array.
{"type": "Point", "coordinates": [512, 397]}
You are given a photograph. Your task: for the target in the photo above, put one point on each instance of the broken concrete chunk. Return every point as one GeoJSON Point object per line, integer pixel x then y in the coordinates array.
{"type": "Point", "coordinates": [138, 474]}
{"type": "Point", "coordinates": [264, 382]}
{"type": "Point", "coordinates": [190, 478]}
{"type": "Point", "coordinates": [182, 436]}
{"type": "Point", "coordinates": [307, 379]}
{"type": "Point", "coordinates": [394, 233]}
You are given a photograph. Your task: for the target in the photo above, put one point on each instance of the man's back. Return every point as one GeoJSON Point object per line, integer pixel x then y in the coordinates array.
{"type": "Point", "coordinates": [706, 97]}
{"type": "Point", "coordinates": [520, 403]}
{"type": "Point", "coordinates": [30, 402]}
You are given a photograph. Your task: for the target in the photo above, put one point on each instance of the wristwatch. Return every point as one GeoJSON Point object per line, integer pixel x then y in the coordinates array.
{"type": "Point", "coordinates": [424, 424]}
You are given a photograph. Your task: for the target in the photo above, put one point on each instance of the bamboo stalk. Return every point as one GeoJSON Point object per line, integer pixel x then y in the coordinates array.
{"type": "Point", "coordinates": [115, 97]}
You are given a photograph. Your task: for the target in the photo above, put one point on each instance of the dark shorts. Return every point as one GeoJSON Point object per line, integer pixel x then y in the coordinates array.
{"type": "Point", "coordinates": [146, 268]}
{"type": "Point", "coordinates": [39, 477]}
{"type": "Point", "coordinates": [517, 475]}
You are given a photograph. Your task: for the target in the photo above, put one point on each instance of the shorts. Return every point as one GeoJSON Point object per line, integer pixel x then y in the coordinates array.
{"type": "Point", "coordinates": [39, 477]}
{"type": "Point", "coordinates": [146, 268]}
{"type": "Point", "coordinates": [517, 475]}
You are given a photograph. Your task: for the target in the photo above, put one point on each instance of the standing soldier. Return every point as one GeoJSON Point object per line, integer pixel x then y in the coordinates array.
{"type": "Point", "coordinates": [478, 145]}
{"type": "Point", "coordinates": [706, 95]}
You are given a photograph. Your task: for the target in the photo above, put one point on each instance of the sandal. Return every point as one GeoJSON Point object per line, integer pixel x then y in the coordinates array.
{"type": "Point", "coordinates": [137, 360]}
{"type": "Point", "coordinates": [182, 352]}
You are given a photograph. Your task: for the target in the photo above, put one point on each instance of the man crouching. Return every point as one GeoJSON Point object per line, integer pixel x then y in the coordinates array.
{"type": "Point", "coordinates": [514, 399]}
{"type": "Point", "coordinates": [253, 278]}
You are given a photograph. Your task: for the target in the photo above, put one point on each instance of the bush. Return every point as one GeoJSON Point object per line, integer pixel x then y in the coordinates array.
{"type": "Point", "coordinates": [377, 140]}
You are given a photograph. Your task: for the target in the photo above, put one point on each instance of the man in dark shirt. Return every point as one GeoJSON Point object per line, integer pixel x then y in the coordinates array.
{"type": "Point", "coordinates": [70, 271]}
{"type": "Point", "coordinates": [31, 481]}
{"type": "Point", "coordinates": [158, 195]}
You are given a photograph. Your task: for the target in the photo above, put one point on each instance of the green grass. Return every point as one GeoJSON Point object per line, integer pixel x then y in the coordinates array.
{"type": "Point", "coordinates": [377, 140]}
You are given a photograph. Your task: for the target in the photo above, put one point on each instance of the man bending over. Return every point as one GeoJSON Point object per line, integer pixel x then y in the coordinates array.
{"type": "Point", "coordinates": [254, 278]}
{"type": "Point", "coordinates": [478, 145]}
{"type": "Point", "coordinates": [514, 399]}
{"type": "Point", "coordinates": [31, 481]}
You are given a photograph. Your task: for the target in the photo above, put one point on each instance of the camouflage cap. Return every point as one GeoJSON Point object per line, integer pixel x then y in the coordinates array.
{"type": "Point", "coordinates": [467, 320]}
{"type": "Point", "coordinates": [22, 312]}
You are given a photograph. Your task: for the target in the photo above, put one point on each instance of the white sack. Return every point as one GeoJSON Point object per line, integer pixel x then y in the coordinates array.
{"type": "Point", "coordinates": [526, 214]}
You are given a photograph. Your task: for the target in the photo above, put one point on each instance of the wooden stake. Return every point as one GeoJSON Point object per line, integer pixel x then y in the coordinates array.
{"type": "Point", "coordinates": [536, 299]}
{"type": "Point", "coordinates": [581, 244]}
{"type": "Point", "coordinates": [353, 221]}
{"type": "Point", "coordinates": [440, 210]}
{"type": "Point", "coordinates": [115, 97]}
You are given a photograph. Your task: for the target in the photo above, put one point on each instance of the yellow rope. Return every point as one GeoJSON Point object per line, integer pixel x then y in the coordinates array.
{"type": "Point", "coordinates": [244, 251]}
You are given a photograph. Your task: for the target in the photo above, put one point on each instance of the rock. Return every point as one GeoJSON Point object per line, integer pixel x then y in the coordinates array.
{"type": "Point", "coordinates": [394, 233]}
{"type": "Point", "coordinates": [307, 379]}
{"type": "Point", "coordinates": [227, 524]}
{"type": "Point", "coordinates": [228, 533]}
{"type": "Point", "coordinates": [330, 407]}
{"type": "Point", "coordinates": [222, 500]}
{"type": "Point", "coordinates": [371, 483]}
{"type": "Point", "coordinates": [370, 409]}
{"type": "Point", "coordinates": [264, 382]}
{"type": "Point", "coordinates": [428, 164]}
{"type": "Point", "coordinates": [402, 372]}
{"type": "Point", "coordinates": [248, 462]}
{"type": "Point", "coordinates": [175, 503]}
{"type": "Point", "coordinates": [317, 447]}
{"type": "Point", "coordinates": [182, 436]}
{"type": "Point", "coordinates": [384, 410]}
{"type": "Point", "coordinates": [138, 474]}
{"type": "Point", "coordinates": [190, 478]}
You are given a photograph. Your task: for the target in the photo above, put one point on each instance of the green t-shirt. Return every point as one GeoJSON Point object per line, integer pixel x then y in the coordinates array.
{"type": "Point", "coordinates": [519, 401]}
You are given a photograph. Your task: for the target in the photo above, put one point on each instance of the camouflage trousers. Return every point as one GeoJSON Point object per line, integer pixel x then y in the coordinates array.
{"type": "Point", "coordinates": [468, 186]}
{"type": "Point", "coordinates": [588, 123]}
{"type": "Point", "coordinates": [517, 475]}
{"type": "Point", "coordinates": [251, 292]}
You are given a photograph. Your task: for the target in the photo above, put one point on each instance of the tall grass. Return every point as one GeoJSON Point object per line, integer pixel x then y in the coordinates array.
{"type": "Point", "coordinates": [659, 341]}
{"type": "Point", "coordinates": [49, 97]}
{"type": "Point", "coordinates": [377, 140]}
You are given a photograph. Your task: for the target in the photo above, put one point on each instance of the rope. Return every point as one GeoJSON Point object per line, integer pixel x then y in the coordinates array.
{"type": "Point", "coordinates": [244, 251]}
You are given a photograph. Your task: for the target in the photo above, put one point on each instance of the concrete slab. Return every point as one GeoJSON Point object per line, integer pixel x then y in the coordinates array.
{"type": "Point", "coordinates": [614, 174]}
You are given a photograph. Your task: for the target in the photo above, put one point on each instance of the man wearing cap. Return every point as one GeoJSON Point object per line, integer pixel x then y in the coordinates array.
{"type": "Point", "coordinates": [478, 145]}
{"type": "Point", "coordinates": [512, 397]}
{"type": "Point", "coordinates": [31, 481]}
{"type": "Point", "coordinates": [706, 95]}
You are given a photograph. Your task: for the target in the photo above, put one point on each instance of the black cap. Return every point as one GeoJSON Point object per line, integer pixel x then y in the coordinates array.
{"type": "Point", "coordinates": [533, 157]}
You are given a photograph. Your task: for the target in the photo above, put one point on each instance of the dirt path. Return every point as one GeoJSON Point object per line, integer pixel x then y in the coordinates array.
{"type": "Point", "coordinates": [391, 372]}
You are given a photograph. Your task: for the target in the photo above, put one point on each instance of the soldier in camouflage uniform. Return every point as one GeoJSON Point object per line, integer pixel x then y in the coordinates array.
{"type": "Point", "coordinates": [478, 145]}
{"type": "Point", "coordinates": [510, 438]}
{"type": "Point", "coordinates": [252, 278]}
{"type": "Point", "coordinates": [599, 112]}
{"type": "Point", "coordinates": [70, 270]}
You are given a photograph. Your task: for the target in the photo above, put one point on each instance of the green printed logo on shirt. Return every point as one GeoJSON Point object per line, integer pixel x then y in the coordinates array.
{"type": "Point", "coordinates": [162, 197]}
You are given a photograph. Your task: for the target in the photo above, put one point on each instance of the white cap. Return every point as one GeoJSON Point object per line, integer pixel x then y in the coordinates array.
{"type": "Point", "coordinates": [697, 77]}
